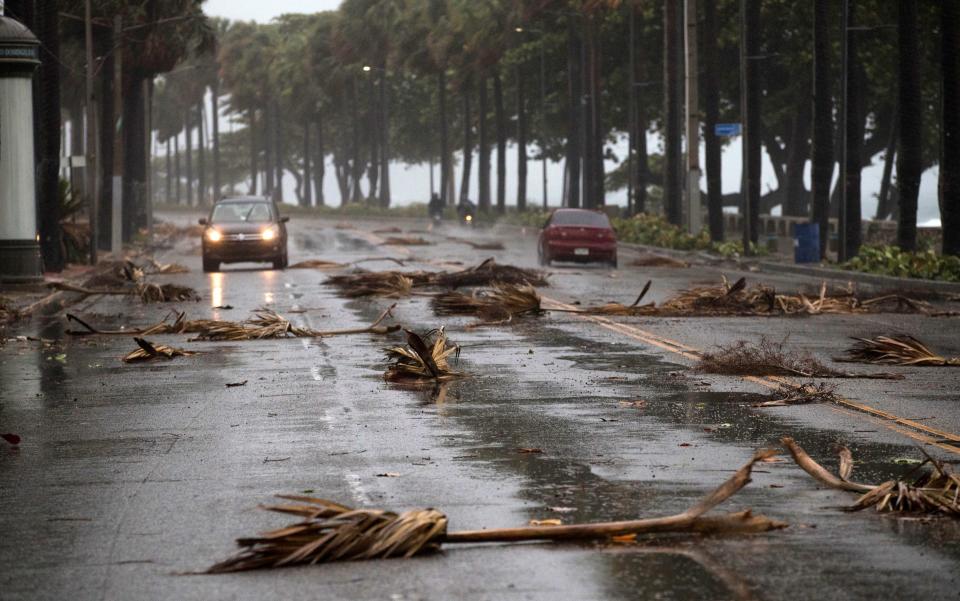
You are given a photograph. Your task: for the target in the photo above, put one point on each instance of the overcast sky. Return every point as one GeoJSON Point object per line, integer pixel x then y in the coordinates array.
{"type": "Point", "coordinates": [264, 10]}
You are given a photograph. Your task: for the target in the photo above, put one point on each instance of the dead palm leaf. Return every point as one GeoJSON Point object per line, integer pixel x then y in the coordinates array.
{"type": "Point", "coordinates": [315, 264]}
{"type": "Point", "coordinates": [770, 359]}
{"type": "Point", "coordinates": [501, 302]}
{"type": "Point", "coordinates": [934, 491]}
{"type": "Point", "coordinates": [328, 531]}
{"type": "Point", "coordinates": [486, 273]}
{"type": "Point", "coordinates": [800, 395]}
{"type": "Point", "coordinates": [405, 241]}
{"type": "Point", "coordinates": [895, 350]}
{"type": "Point", "coordinates": [376, 283]}
{"type": "Point", "coordinates": [424, 358]}
{"type": "Point", "coordinates": [149, 351]}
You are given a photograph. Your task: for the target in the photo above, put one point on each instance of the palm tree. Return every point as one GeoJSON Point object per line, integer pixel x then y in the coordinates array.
{"type": "Point", "coordinates": [910, 158]}
{"type": "Point", "coordinates": [671, 110]}
{"type": "Point", "coordinates": [711, 100]}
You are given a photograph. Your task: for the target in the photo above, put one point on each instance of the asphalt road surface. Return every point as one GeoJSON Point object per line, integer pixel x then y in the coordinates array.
{"type": "Point", "coordinates": [129, 477]}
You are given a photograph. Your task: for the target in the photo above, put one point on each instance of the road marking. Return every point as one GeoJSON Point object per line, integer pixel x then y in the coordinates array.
{"type": "Point", "coordinates": [901, 425]}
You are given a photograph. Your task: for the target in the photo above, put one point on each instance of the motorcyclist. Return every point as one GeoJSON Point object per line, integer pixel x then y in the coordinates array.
{"type": "Point", "coordinates": [466, 210]}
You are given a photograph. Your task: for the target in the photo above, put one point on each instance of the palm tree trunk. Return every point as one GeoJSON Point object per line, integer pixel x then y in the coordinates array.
{"type": "Point", "coordinates": [319, 168]}
{"type": "Point", "coordinates": [47, 117]}
{"type": "Point", "coordinates": [711, 99]}
{"type": "Point", "coordinates": [444, 139]}
{"type": "Point", "coordinates": [521, 145]}
{"type": "Point", "coordinates": [268, 158]}
{"type": "Point", "coordinates": [671, 84]}
{"type": "Point", "coordinates": [483, 170]}
{"type": "Point", "coordinates": [169, 181]}
{"type": "Point", "coordinates": [822, 147]}
{"type": "Point", "coordinates": [501, 144]}
{"type": "Point", "coordinates": [884, 197]}
{"type": "Point", "coordinates": [176, 169]}
{"type": "Point", "coordinates": [189, 155]}
{"type": "Point", "coordinates": [215, 135]}
{"type": "Point", "coordinates": [596, 126]}
{"type": "Point", "coordinates": [750, 108]}
{"type": "Point", "coordinates": [950, 131]}
{"type": "Point", "coordinates": [307, 179]}
{"type": "Point", "coordinates": [467, 145]}
{"type": "Point", "coordinates": [373, 139]}
{"type": "Point", "coordinates": [910, 159]}
{"type": "Point", "coordinates": [355, 143]}
{"type": "Point", "coordinates": [279, 153]}
{"type": "Point", "coordinates": [574, 93]}
{"type": "Point", "coordinates": [201, 159]}
{"type": "Point", "coordinates": [854, 139]}
{"type": "Point", "coordinates": [384, 140]}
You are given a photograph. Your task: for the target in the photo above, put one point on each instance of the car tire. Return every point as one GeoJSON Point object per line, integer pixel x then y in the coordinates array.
{"type": "Point", "coordinates": [281, 261]}
{"type": "Point", "coordinates": [613, 263]}
{"type": "Point", "coordinates": [209, 265]}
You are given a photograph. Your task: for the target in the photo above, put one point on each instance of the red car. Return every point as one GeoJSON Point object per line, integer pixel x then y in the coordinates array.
{"type": "Point", "coordinates": [578, 235]}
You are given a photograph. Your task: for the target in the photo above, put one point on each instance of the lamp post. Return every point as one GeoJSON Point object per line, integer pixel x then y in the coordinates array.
{"type": "Point", "coordinates": [19, 241]}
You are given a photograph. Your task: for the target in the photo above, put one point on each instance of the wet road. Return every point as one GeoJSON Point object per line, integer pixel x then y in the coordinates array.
{"type": "Point", "coordinates": [129, 476]}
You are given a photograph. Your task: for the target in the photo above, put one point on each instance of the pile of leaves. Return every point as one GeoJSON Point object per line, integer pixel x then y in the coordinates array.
{"type": "Point", "coordinates": [803, 394]}
{"type": "Point", "coordinates": [934, 492]}
{"type": "Point", "coordinates": [128, 278]}
{"type": "Point", "coordinates": [424, 358]}
{"type": "Point", "coordinates": [769, 358]}
{"type": "Point", "coordinates": [894, 350]}
{"type": "Point", "coordinates": [890, 260]}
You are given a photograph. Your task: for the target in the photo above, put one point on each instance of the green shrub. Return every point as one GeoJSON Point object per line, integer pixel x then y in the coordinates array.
{"type": "Point", "coordinates": [890, 260]}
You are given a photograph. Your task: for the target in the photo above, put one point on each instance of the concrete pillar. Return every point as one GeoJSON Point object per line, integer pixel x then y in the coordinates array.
{"type": "Point", "coordinates": [19, 239]}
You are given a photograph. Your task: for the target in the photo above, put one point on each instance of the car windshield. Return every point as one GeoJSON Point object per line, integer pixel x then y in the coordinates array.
{"type": "Point", "coordinates": [241, 212]}
{"type": "Point", "coordinates": [580, 218]}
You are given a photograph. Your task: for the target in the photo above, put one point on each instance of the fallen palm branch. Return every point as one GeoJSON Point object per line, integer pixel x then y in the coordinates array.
{"type": "Point", "coordinates": [166, 268]}
{"type": "Point", "coordinates": [315, 264]}
{"type": "Point", "coordinates": [770, 359]}
{"type": "Point", "coordinates": [800, 395]}
{"type": "Point", "coordinates": [148, 292]}
{"type": "Point", "coordinates": [478, 245]}
{"type": "Point", "coordinates": [654, 260]}
{"type": "Point", "coordinates": [618, 309]}
{"type": "Point", "coordinates": [149, 351]}
{"type": "Point", "coordinates": [934, 491]}
{"type": "Point", "coordinates": [501, 302]}
{"type": "Point", "coordinates": [376, 283]}
{"type": "Point", "coordinates": [425, 358]}
{"type": "Point", "coordinates": [894, 350]}
{"type": "Point", "coordinates": [265, 324]}
{"type": "Point", "coordinates": [405, 241]}
{"type": "Point", "coordinates": [388, 230]}
{"type": "Point", "coordinates": [332, 532]}
{"type": "Point", "coordinates": [487, 273]}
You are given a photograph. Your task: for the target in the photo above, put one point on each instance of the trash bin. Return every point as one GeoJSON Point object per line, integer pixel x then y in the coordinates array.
{"type": "Point", "coordinates": [806, 243]}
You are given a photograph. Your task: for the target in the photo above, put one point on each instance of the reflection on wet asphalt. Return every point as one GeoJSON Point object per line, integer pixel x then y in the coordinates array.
{"type": "Point", "coordinates": [128, 474]}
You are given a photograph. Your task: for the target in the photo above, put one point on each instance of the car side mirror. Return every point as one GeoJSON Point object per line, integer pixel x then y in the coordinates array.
{"type": "Point", "coordinates": [202, 221]}
{"type": "Point", "coordinates": [284, 219]}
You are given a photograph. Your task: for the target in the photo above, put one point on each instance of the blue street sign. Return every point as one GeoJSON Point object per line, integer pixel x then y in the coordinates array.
{"type": "Point", "coordinates": [727, 129]}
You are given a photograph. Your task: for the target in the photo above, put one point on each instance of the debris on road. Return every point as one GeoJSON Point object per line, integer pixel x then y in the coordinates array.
{"type": "Point", "coordinates": [166, 268]}
{"type": "Point", "coordinates": [498, 304]}
{"type": "Point", "coordinates": [235, 384]}
{"type": "Point", "coordinates": [803, 394]}
{"type": "Point", "coordinates": [770, 359]}
{"type": "Point", "coordinates": [388, 230]}
{"type": "Point", "coordinates": [265, 324]}
{"type": "Point", "coordinates": [405, 241]}
{"type": "Point", "coordinates": [329, 531]}
{"type": "Point", "coordinates": [936, 491]}
{"type": "Point", "coordinates": [654, 260]}
{"type": "Point", "coordinates": [894, 350]}
{"type": "Point", "coordinates": [13, 439]}
{"type": "Point", "coordinates": [376, 283]}
{"type": "Point", "coordinates": [315, 264]}
{"type": "Point", "coordinates": [424, 358]}
{"type": "Point", "coordinates": [123, 278]}
{"type": "Point", "coordinates": [478, 245]}
{"type": "Point", "coordinates": [487, 273]}
{"type": "Point", "coordinates": [149, 351]}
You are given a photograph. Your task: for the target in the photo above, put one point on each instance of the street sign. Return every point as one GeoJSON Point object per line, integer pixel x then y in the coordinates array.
{"type": "Point", "coordinates": [727, 129]}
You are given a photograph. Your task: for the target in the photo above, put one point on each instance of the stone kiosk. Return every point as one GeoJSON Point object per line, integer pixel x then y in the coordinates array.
{"type": "Point", "coordinates": [19, 241]}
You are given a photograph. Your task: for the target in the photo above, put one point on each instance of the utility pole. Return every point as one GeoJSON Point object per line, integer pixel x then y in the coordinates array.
{"type": "Point", "coordinates": [116, 229]}
{"type": "Point", "coordinates": [694, 217]}
{"type": "Point", "coordinates": [92, 178]}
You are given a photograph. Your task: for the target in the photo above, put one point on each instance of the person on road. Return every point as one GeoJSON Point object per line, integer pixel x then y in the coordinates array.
{"type": "Point", "coordinates": [435, 208]}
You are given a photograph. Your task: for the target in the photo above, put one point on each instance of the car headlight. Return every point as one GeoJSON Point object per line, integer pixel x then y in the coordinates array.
{"type": "Point", "coordinates": [214, 235]}
{"type": "Point", "coordinates": [269, 234]}
{"type": "Point", "coordinates": [469, 217]}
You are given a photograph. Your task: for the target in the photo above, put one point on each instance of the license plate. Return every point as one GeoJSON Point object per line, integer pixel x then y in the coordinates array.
{"type": "Point", "coordinates": [581, 251]}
